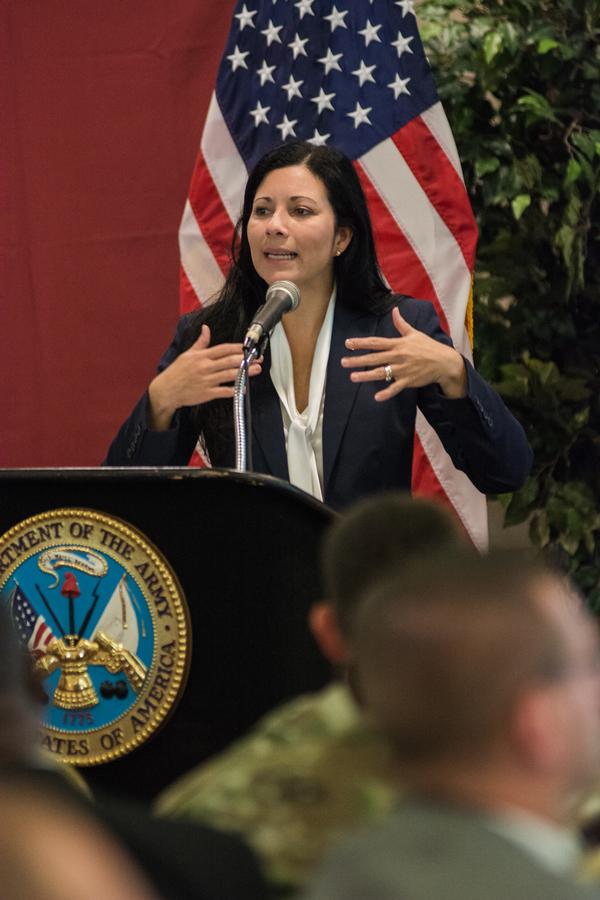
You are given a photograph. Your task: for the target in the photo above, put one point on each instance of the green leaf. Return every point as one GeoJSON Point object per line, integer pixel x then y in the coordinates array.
{"type": "Point", "coordinates": [545, 45]}
{"type": "Point", "coordinates": [590, 542]}
{"type": "Point", "coordinates": [589, 174]}
{"type": "Point", "coordinates": [528, 171]}
{"type": "Point", "coordinates": [521, 503]}
{"type": "Point", "coordinates": [569, 543]}
{"type": "Point", "coordinates": [546, 372]}
{"type": "Point", "coordinates": [573, 172]}
{"type": "Point", "coordinates": [511, 37]}
{"type": "Point", "coordinates": [573, 390]}
{"type": "Point", "coordinates": [550, 192]}
{"type": "Point", "coordinates": [514, 370]}
{"type": "Point", "coordinates": [573, 210]}
{"type": "Point", "coordinates": [567, 52]}
{"type": "Point", "coordinates": [485, 165]}
{"type": "Point", "coordinates": [575, 522]}
{"type": "Point", "coordinates": [576, 495]}
{"type": "Point", "coordinates": [492, 45]}
{"type": "Point", "coordinates": [538, 106]}
{"type": "Point", "coordinates": [580, 419]}
{"type": "Point", "coordinates": [520, 204]}
{"type": "Point", "coordinates": [584, 143]}
{"type": "Point", "coordinates": [539, 530]}
{"type": "Point", "coordinates": [563, 240]}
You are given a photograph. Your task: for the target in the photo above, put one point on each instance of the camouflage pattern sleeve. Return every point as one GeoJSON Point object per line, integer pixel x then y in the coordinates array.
{"type": "Point", "coordinates": [306, 774]}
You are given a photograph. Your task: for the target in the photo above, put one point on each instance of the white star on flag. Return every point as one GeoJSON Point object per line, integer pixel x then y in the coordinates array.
{"type": "Point", "coordinates": [369, 32]}
{"type": "Point", "coordinates": [336, 18]}
{"type": "Point", "coordinates": [402, 45]}
{"type": "Point", "coordinates": [265, 73]}
{"type": "Point", "coordinates": [398, 85]}
{"type": "Point", "coordinates": [319, 140]}
{"type": "Point", "coordinates": [271, 32]}
{"type": "Point", "coordinates": [323, 100]}
{"type": "Point", "coordinates": [407, 6]}
{"type": "Point", "coordinates": [297, 46]}
{"type": "Point", "coordinates": [360, 115]}
{"type": "Point", "coordinates": [245, 17]}
{"type": "Point", "coordinates": [259, 114]}
{"type": "Point", "coordinates": [330, 61]}
{"type": "Point", "coordinates": [363, 73]}
{"type": "Point", "coordinates": [292, 87]}
{"type": "Point", "coordinates": [304, 7]}
{"type": "Point", "coordinates": [287, 127]}
{"type": "Point", "coordinates": [238, 59]}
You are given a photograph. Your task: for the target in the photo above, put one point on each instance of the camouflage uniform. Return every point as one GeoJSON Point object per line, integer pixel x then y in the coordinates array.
{"type": "Point", "coordinates": [305, 774]}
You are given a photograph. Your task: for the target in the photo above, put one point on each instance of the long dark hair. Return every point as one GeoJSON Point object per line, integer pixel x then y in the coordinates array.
{"type": "Point", "coordinates": [356, 271]}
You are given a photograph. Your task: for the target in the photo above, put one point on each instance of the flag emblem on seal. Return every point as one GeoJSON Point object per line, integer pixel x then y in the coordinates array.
{"type": "Point", "coordinates": [107, 626]}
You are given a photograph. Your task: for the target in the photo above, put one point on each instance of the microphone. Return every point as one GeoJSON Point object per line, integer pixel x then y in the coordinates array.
{"type": "Point", "coordinates": [282, 297]}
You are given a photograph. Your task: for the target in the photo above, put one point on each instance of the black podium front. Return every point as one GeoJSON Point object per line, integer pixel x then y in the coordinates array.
{"type": "Point", "coordinates": [245, 551]}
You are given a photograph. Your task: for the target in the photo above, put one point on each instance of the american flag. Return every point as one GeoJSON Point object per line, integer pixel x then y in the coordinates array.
{"type": "Point", "coordinates": [354, 74]}
{"type": "Point", "coordinates": [31, 627]}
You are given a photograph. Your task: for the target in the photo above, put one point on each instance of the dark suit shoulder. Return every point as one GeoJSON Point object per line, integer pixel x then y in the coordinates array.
{"type": "Point", "coordinates": [185, 859]}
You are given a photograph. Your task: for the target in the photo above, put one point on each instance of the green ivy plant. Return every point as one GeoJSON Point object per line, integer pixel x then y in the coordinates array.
{"type": "Point", "coordinates": [520, 82]}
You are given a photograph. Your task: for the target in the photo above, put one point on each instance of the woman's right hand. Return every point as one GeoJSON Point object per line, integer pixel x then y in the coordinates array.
{"type": "Point", "coordinates": [198, 375]}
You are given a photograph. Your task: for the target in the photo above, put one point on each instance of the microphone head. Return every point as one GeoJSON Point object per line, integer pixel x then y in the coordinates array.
{"type": "Point", "coordinates": [287, 287]}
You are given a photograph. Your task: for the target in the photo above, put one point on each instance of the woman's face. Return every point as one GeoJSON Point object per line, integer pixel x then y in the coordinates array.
{"type": "Point", "coordinates": [292, 231]}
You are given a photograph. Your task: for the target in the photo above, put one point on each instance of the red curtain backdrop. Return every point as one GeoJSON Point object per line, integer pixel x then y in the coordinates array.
{"type": "Point", "coordinates": [101, 111]}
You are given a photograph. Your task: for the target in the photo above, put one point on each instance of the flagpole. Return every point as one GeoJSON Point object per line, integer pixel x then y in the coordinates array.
{"type": "Point", "coordinates": [51, 611]}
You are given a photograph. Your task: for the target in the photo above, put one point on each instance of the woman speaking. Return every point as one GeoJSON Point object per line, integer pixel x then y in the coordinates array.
{"type": "Point", "coordinates": [335, 398]}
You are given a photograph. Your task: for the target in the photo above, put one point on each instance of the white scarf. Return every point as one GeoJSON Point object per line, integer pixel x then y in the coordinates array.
{"type": "Point", "coordinates": [303, 431]}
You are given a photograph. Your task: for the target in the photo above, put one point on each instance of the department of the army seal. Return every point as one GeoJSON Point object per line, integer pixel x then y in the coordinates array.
{"type": "Point", "coordinates": [107, 625]}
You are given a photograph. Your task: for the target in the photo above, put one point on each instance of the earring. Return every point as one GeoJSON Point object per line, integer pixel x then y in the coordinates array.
{"type": "Point", "coordinates": [338, 252]}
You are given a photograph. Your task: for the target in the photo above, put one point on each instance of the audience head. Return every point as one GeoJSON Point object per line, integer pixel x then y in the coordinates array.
{"type": "Point", "coordinates": [379, 535]}
{"type": "Point", "coordinates": [489, 661]}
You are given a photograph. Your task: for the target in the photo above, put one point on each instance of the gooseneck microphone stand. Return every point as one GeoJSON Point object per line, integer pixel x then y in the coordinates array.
{"type": "Point", "coordinates": [242, 414]}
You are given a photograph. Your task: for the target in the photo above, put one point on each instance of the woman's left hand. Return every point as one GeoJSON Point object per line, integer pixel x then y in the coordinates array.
{"type": "Point", "coordinates": [412, 360]}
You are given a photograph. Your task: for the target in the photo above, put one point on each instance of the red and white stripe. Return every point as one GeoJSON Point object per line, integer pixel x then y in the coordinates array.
{"type": "Point", "coordinates": [40, 637]}
{"type": "Point", "coordinates": [425, 235]}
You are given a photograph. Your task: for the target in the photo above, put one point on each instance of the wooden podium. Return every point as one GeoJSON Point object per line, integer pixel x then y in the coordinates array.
{"type": "Point", "coordinates": [245, 550]}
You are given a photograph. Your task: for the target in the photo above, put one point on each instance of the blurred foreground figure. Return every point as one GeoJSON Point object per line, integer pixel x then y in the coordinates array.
{"type": "Point", "coordinates": [484, 674]}
{"type": "Point", "coordinates": [39, 797]}
{"type": "Point", "coordinates": [52, 850]}
{"type": "Point", "coordinates": [312, 769]}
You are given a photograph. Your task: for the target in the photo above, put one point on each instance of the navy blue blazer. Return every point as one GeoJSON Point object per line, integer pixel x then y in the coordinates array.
{"type": "Point", "coordinates": [367, 445]}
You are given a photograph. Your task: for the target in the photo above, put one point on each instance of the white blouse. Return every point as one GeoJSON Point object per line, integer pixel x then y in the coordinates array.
{"type": "Point", "coordinates": [303, 431]}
